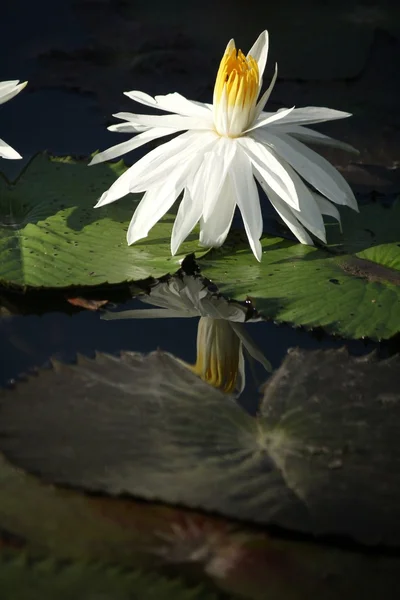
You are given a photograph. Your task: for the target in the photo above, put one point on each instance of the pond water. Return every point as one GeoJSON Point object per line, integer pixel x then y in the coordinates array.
{"type": "Point", "coordinates": [79, 57]}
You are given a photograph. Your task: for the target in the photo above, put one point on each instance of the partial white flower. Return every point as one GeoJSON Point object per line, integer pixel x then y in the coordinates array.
{"type": "Point", "coordinates": [9, 89]}
{"type": "Point", "coordinates": [226, 147]}
{"type": "Point", "coordinates": [221, 336]}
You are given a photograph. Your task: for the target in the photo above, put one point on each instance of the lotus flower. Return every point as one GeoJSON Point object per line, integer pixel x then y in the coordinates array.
{"type": "Point", "coordinates": [226, 147]}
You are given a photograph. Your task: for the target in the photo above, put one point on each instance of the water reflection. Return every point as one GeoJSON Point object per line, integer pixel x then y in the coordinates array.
{"type": "Point", "coordinates": [222, 341]}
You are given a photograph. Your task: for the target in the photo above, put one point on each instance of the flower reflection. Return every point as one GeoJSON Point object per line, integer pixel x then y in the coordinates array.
{"type": "Point", "coordinates": [222, 339]}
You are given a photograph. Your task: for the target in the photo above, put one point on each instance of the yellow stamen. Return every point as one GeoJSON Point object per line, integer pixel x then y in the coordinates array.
{"type": "Point", "coordinates": [240, 77]}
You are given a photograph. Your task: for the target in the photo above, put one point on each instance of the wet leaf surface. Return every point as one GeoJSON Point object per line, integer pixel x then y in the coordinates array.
{"type": "Point", "coordinates": [52, 237]}
{"type": "Point", "coordinates": [350, 288]}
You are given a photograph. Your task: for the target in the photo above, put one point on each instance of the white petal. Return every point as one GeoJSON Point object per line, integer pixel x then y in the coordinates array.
{"type": "Point", "coordinates": [304, 134]}
{"type": "Point", "coordinates": [182, 106]}
{"type": "Point", "coordinates": [217, 167]}
{"type": "Point", "coordinates": [230, 45]}
{"type": "Point", "coordinates": [155, 157]}
{"type": "Point", "coordinates": [5, 86]}
{"type": "Point", "coordinates": [265, 97]}
{"type": "Point", "coordinates": [9, 89]}
{"type": "Point", "coordinates": [327, 208]}
{"type": "Point", "coordinates": [247, 199]}
{"type": "Point", "coordinates": [154, 204]}
{"type": "Point", "coordinates": [259, 51]}
{"type": "Point", "coordinates": [158, 200]}
{"type": "Point", "coordinates": [308, 213]}
{"type": "Point", "coordinates": [213, 232]}
{"type": "Point", "coordinates": [177, 122]}
{"type": "Point", "coordinates": [220, 113]}
{"type": "Point", "coordinates": [312, 114]}
{"type": "Point", "coordinates": [127, 116]}
{"type": "Point", "coordinates": [311, 166]}
{"type": "Point", "coordinates": [129, 145]}
{"type": "Point", "coordinates": [188, 215]}
{"type": "Point", "coordinates": [7, 152]}
{"type": "Point", "coordinates": [285, 212]}
{"type": "Point", "coordinates": [142, 98]}
{"type": "Point", "coordinates": [263, 120]}
{"type": "Point", "coordinates": [171, 103]}
{"type": "Point", "coordinates": [271, 169]}
{"type": "Point", "coordinates": [193, 149]}
{"type": "Point", "coordinates": [128, 128]}
{"type": "Point", "coordinates": [206, 185]}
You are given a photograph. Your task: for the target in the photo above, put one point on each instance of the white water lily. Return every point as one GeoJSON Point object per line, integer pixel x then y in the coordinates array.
{"type": "Point", "coordinates": [9, 89]}
{"type": "Point", "coordinates": [226, 147]}
{"type": "Point", "coordinates": [221, 336]}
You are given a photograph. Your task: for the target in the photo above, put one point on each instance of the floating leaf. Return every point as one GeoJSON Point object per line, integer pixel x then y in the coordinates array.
{"type": "Point", "coordinates": [51, 236]}
{"type": "Point", "coordinates": [351, 288]}
{"type": "Point", "coordinates": [21, 579]}
{"type": "Point", "coordinates": [325, 461]}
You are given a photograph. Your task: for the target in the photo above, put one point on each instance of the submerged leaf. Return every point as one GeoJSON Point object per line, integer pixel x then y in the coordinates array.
{"type": "Point", "coordinates": [148, 427]}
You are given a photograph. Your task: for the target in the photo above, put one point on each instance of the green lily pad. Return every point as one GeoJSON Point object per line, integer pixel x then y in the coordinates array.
{"type": "Point", "coordinates": [323, 458]}
{"type": "Point", "coordinates": [52, 237]}
{"type": "Point", "coordinates": [350, 288]}
{"type": "Point", "coordinates": [20, 579]}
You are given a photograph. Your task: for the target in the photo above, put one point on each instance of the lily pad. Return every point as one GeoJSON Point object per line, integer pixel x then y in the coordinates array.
{"type": "Point", "coordinates": [52, 237]}
{"type": "Point", "coordinates": [323, 458]}
{"type": "Point", "coordinates": [350, 288]}
{"type": "Point", "coordinates": [21, 579]}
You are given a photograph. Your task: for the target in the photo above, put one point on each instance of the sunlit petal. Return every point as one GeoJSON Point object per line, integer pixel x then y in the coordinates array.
{"type": "Point", "coordinates": [7, 152]}
{"type": "Point", "coordinates": [286, 213]}
{"type": "Point", "coordinates": [177, 122]}
{"type": "Point", "coordinates": [129, 145]}
{"type": "Point", "coordinates": [153, 159]}
{"type": "Point", "coordinates": [259, 51]}
{"type": "Point", "coordinates": [158, 200]}
{"type": "Point", "coordinates": [248, 201]}
{"type": "Point", "coordinates": [271, 169]}
{"type": "Point", "coordinates": [9, 89]}
{"type": "Point", "coordinates": [262, 121]}
{"type": "Point", "coordinates": [311, 114]}
{"type": "Point", "coordinates": [265, 97]}
{"type": "Point", "coordinates": [174, 103]}
{"type": "Point", "coordinates": [311, 166]}
{"type": "Point", "coordinates": [188, 215]}
{"type": "Point", "coordinates": [304, 134]}
{"type": "Point", "coordinates": [214, 230]}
